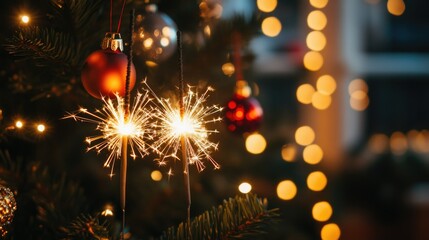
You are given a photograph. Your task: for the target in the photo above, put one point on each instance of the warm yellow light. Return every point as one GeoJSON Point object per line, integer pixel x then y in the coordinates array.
{"type": "Point", "coordinates": [25, 19]}
{"type": "Point", "coordinates": [398, 143]}
{"type": "Point", "coordinates": [148, 43]}
{"type": "Point", "coordinates": [108, 211]}
{"type": "Point", "coordinates": [359, 104]}
{"type": "Point", "coordinates": [317, 181]}
{"type": "Point", "coordinates": [156, 175]}
{"type": "Point", "coordinates": [19, 124]}
{"type": "Point", "coordinates": [304, 93]}
{"type": "Point", "coordinates": [304, 135]}
{"type": "Point", "coordinates": [164, 42]}
{"type": "Point", "coordinates": [322, 211]}
{"type": "Point", "coordinates": [378, 143]}
{"type": "Point", "coordinates": [271, 26]}
{"type": "Point", "coordinates": [41, 128]}
{"type": "Point", "coordinates": [317, 20]}
{"type": "Point", "coordinates": [326, 84]}
{"type": "Point", "coordinates": [312, 154]}
{"type": "Point", "coordinates": [266, 5]}
{"type": "Point", "coordinates": [245, 187]}
{"type": "Point", "coordinates": [418, 141]}
{"type": "Point", "coordinates": [330, 231]}
{"type": "Point", "coordinates": [286, 190]}
{"type": "Point", "coordinates": [321, 101]}
{"type": "Point", "coordinates": [228, 69]}
{"type": "Point", "coordinates": [396, 7]}
{"type": "Point", "coordinates": [319, 3]}
{"type": "Point", "coordinates": [359, 95]}
{"type": "Point", "coordinates": [255, 143]}
{"type": "Point", "coordinates": [207, 31]}
{"type": "Point", "coordinates": [288, 153]}
{"type": "Point", "coordinates": [126, 129]}
{"type": "Point", "coordinates": [313, 61]}
{"type": "Point", "coordinates": [357, 84]}
{"type": "Point", "coordinates": [316, 41]}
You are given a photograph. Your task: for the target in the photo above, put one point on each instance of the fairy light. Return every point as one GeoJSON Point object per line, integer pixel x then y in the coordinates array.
{"type": "Point", "coordinates": [288, 153]}
{"type": "Point", "coordinates": [286, 190]}
{"type": "Point", "coordinates": [266, 5]}
{"type": "Point", "coordinates": [313, 61]}
{"type": "Point", "coordinates": [312, 154]}
{"type": "Point", "coordinates": [271, 26]}
{"type": "Point", "coordinates": [317, 181]}
{"type": "Point", "coordinates": [19, 124]}
{"type": "Point", "coordinates": [156, 175]}
{"type": "Point", "coordinates": [330, 231]}
{"type": "Point", "coordinates": [317, 20]}
{"type": "Point", "coordinates": [41, 128]}
{"type": "Point", "coordinates": [322, 211]}
{"type": "Point", "coordinates": [304, 93]}
{"type": "Point", "coordinates": [245, 187]}
{"type": "Point", "coordinates": [396, 7]}
{"type": "Point", "coordinates": [326, 84]}
{"type": "Point", "coordinates": [255, 143]}
{"type": "Point", "coordinates": [319, 3]}
{"type": "Point", "coordinates": [171, 127]}
{"type": "Point", "coordinates": [25, 19]}
{"type": "Point", "coordinates": [304, 135]}
{"type": "Point", "coordinates": [321, 101]}
{"type": "Point", "coordinates": [316, 41]}
{"type": "Point", "coordinates": [112, 126]}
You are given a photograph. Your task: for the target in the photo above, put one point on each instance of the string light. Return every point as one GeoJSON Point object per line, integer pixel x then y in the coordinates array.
{"type": "Point", "coordinates": [316, 41]}
{"type": "Point", "coordinates": [312, 154]}
{"type": "Point", "coordinates": [321, 101]}
{"type": "Point", "coordinates": [286, 190]}
{"type": "Point", "coordinates": [41, 128]}
{"type": "Point", "coordinates": [304, 135]}
{"type": "Point", "coordinates": [313, 61]}
{"type": "Point", "coordinates": [330, 231]}
{"type": "Point", "coordinates": [322, 211]}
{"type": "Point", "coordinates": [19, 124]}
{"type": "Point", "coordinates": [317, 20]}
{"type": "Point", "coordinates": [25, 19]}
{"type": "Point", "coordinates": [156, 175]}
{"type": "Point", "coordinates": [326, 84]}
{"type": "Point", "coordinates": [319, 3]}
{"type": "Point", "coordinates": [245, 187]}
{"type": "Point", "coordinates": [271, 26]}
{"type": "Point", "coordinates": [266, 5]}
{"type": "Point", "coordinates": [396, 7]}
{"type": "Point", "coordinates": [255, 143]}
{"type": "Point", "coordinates": [317, 181]}
{"type": "Point", "coordinates": [288, 153]}
{"type": "Point", "coordinates": [304, 93]}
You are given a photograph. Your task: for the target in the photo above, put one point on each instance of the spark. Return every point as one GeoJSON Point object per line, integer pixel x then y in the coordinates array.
{"type": "Point", "coordinates": [170, 127]}
{"type": "Point", "coordinates": [112, 125]}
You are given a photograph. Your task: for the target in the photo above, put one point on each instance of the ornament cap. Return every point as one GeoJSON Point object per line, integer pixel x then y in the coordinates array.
{"type": "Point", "coordinates": [112, 41]}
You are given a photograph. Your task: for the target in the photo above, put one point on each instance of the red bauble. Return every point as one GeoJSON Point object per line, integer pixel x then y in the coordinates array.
{"type": "Point", "coordinates": [104, 73]}
{"type": "Point", "coordinates": [243, 114]}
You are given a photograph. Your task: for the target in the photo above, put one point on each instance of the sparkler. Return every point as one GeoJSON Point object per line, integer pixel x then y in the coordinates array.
{"type": "Point", "coordinates": [112, 126]}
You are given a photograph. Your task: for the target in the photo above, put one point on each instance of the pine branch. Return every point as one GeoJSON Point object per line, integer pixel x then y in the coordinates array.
{"type": "Point", "coordinates": [237, 218]}
{"type": "Point", "coordinates": [46, 47]}
{"type": "Point", "coordinates": [86, 227]}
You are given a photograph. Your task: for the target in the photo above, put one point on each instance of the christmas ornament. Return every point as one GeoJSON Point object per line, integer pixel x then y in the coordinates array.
{"type": "Point", "coordinates": [243, 113]}
{"type": "Point", "coordinates": [154, 36]}
{"type": "Point", "coordinates": [105, 70]}
{"type": "Point", "coordinates": [7, 209]}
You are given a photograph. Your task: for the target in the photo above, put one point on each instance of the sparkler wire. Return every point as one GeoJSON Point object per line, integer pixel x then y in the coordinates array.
{"type": "Point", "coordinates": [182, 139]}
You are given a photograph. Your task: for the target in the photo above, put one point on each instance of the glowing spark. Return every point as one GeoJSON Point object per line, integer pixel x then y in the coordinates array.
{"type": "Point", "coordinates": [170, 128]}
{"type": "Point", "coordinates": [112, 125]}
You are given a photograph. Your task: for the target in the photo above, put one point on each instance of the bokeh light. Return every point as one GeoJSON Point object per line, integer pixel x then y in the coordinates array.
{"type": "Point", "coordinates": [322, 211]}
{"type": "Point", "coordinates": [288, 152]}
{"type": "Point", "coordinates": [317, 20]}
{"type": "Point", "coordinates": [271, 26]}
{"type": "Point", "coordinates": [25, 19]}
{"type": "Point", "coordinates": [313, 61]}
{"type": "Point", "coordinates": [316, 41]}
{"type": "Point", "coordinates": [319, 3]}
{"type": "Point", "coordinates": [304, 93]}
{"type": "Point", "coordinates": [108, 210]}
{"type": "Point", "coordinates": [357, 84]}
{"type": "Point", "coordinates": [266, 5]}
{"type": "Point", "coordinates": [245, 187]}
{"type": "Point", "coordinates": [286, 190]}
{"type": "Point", "coordinates": [312, 154]}
{"type": "Point", "coordinates": [304, 135]}
{"type": "Point", "coordinates": [19, 124]}
{"type": "Point", "coordinates": [255, 143]}
{"type": "Point", "coordinates": [396, 7]}
{"type": "Point", "coordinates": [359, 104]}
{"type": "Point", "coordinates": [398, 143]}
{"type": "Point", "coordinates": [326, 84]}
{"type": "Point", "coordinates": [321, 101]}
{"type": "Point", "coordinates": [156, 175]}
{"type": "Point", "coordinates": [228, 69]}
{"type": "Point", "coordinates": [378, 143]}
{"type": "Point", "coordinates": [330, 231]}
{"type": "Point", "coordinates": [317, 181]}
{"type": "Point", "coordinates": [41, 128]}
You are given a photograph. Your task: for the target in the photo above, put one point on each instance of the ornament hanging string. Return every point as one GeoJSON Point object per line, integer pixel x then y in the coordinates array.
{"type": "Point", "coordinates": [120, 16]}
{"type": "Point", "coordinates": [182, 139]}
{"type": "Point", "coordinates": [123, 179]}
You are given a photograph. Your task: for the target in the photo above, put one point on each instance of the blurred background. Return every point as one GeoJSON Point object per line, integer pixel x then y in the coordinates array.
{"type": "Point", "coordinates": [339, 143]}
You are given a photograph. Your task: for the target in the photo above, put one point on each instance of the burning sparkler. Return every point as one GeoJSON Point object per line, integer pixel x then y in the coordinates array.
{"type": "Point", "coordinates": [112, 126]}
{"type": "Point", "coordinates": [170, 128]}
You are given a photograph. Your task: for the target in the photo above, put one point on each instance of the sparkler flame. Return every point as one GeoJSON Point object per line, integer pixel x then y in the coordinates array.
{"type": "Point", "coordinates": [170, 127]}
{"type": "Point", "coordinates": [113, 124]}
